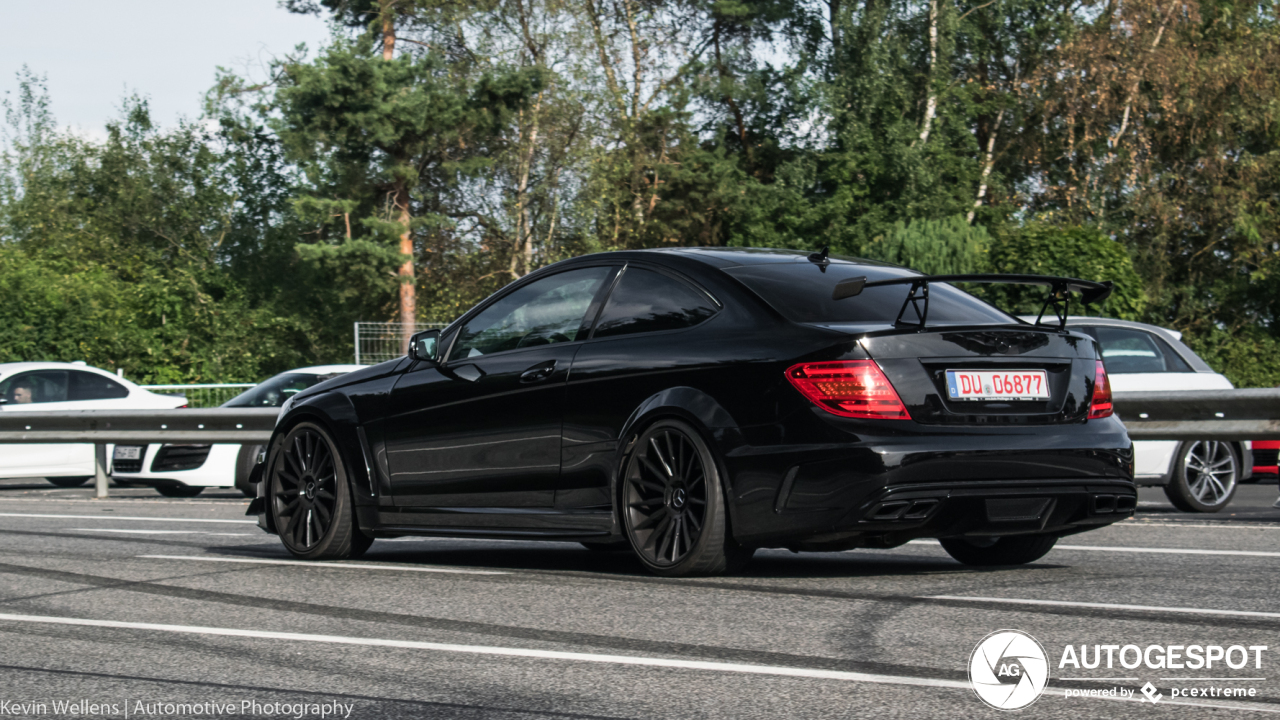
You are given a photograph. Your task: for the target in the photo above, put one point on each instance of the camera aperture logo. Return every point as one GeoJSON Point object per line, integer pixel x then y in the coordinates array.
{"type": "Point", "coordinates": [1008, 669]}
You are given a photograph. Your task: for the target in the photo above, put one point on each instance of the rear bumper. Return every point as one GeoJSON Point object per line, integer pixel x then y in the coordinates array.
{"type": "Point", "coordinates": [901, 513]}
{"type": "Point", "coordinates": [882, 490]}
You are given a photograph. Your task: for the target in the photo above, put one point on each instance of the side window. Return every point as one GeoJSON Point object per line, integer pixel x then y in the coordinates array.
{"type": "Point", "coordinates": [39, 386]}
{"type": "Point", "coordinates": [646, 301]}
{"type": "Point", "coordinates": [543, 312]}
{"type": "Point", "coordinates": [1135, 351]}
{"type": "Point", "coordinates": [90, 386]}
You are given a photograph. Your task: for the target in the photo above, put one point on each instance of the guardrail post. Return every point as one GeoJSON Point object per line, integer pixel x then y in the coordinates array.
{"type": "Point", "coordinates": [100, 469]}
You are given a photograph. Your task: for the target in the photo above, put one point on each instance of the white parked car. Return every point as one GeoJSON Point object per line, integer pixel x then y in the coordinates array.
{"type": "Point", "coordinates": [55, 386]}
{"type": "Point", "coordinates": [1198, 475]}
{"type": "Point", "coordinates": [186, 470]}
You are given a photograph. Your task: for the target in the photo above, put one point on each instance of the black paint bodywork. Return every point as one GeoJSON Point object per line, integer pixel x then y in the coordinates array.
{"type": "Point", "coordinates": [467, 449]}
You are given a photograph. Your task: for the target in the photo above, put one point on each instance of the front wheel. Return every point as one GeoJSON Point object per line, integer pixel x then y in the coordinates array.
{"type": "Point", "coordinates": [1008, 550]}
{"type": "Point", "coordinates": [310, 499]}
{"type": "Point", "coordinates": [673, 504]}
{"type": "Point", "coordinates": [1204, 478]}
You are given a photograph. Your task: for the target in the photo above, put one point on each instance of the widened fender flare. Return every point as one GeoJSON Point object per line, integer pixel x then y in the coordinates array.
{"type": "Point", "coordinates": [693, 406]}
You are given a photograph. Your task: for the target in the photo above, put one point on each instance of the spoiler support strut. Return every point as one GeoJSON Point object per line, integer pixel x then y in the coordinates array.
{"type": "Point", "coordinates": [1058, 299]}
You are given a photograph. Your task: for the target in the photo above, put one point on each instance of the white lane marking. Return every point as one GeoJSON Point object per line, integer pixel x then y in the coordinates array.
{"type": "Point", "coordinates": [1166, 551]}
{"type": "Point", "coordinates": [505, 651]}
{"type": "Point", "coordinates": [304, 563]}
{"type": "Point", "coordinates": [1108, 606]}
{"type": "Point", "coordinates": [773, 670]}
{"type": "Point", "coordinates": [160, 532]}
{"type": "Point", "coordinates": [1226, 525]}
{"type": "Point", "coordinates": [129, 517]}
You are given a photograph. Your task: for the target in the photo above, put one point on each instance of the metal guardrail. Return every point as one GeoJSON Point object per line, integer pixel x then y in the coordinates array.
{"type": "Point", "coordinates": [1249, 414]}
{"type": "Point", "coordinates": [100, 427]}
{"type": "Point", "coordinates": [1187, 415]}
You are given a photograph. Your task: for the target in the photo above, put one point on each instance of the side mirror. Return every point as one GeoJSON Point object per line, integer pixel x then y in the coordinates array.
{"type": "Point", "coordinates": [423, 346]}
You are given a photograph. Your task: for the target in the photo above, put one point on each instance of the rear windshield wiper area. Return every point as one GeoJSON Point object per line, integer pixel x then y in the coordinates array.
{"type": "Point", "coordinates": [1057, 300]}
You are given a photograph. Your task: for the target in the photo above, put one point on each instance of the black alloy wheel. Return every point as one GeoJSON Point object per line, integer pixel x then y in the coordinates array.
{"type": "Point", "coordinates": [69, 482]}
{"type": "Point", "coordinates": [1007, 550]}
{"type": "Point", "coordinates": [310, 499]}
{"type": "Point", "coordinates": [673, 505]}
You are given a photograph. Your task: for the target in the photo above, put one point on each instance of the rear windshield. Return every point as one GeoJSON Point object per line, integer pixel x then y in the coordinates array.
{"type": "Point", "coordinates": [802, 293]}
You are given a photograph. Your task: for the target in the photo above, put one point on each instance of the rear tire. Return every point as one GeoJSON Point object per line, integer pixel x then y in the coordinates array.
{"type": "Point", "coordinates": [1205, 476]}
{"type": "Point", "coordinates": [1008, 550]}
{"type": "Point", "coordinates": [673, 507]}
{"type": "Point", "coordinates": [179, 491]}
{"type": "Point", "coordinates": [69, 482]}
{"type": "Point", "coordinates": [310, 499]}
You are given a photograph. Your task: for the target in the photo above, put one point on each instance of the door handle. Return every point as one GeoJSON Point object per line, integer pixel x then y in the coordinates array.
{"type": "Point", "coordinates": [538, 373]}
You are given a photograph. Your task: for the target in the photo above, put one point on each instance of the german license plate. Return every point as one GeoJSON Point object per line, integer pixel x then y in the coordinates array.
{"type": "Point", "coordinates": [998, 384]}
{"type": "Point", "coordinates": [128, 452]}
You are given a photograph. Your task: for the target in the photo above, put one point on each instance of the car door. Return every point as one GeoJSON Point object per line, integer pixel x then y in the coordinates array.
{"type": "Point", "coordinates": [57, 391]}
{"type": "Point", "coordinates": [644, 342]}
{"type": "Point", "coordinates": [483, 429]}
{"type": "Point", "coordinates": [41, 391]}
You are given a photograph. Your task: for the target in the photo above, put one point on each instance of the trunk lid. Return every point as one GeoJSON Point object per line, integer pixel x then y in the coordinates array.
{"type": "Point", "coordinates": [916, 363]}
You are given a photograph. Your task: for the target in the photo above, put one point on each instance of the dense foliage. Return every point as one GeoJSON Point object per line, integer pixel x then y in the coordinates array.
{"type": "Point", "coordinates": [434, 151]}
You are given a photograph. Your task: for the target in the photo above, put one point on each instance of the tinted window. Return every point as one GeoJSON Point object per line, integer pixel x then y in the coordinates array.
{"type": "Point", "coordinates": [543, 312]}
{"type": "Point", "coordinates": [646, 301]}
{"type": "Point", "coordinates": [91, 386]}
{"type": "Point", "coordinates": [40, 386]}
{"type": "Point", "coordinates": [802, 293]}
{"type": "Point", "coordinates": [1136, 351]}
{"type": "Point", "coordinates": [274, 392]}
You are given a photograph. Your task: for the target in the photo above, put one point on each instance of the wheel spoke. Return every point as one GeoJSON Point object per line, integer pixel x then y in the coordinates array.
{"type": "Point", "coordinates": [653, 442]}
{"type": "Point", "coordinates": [646, 484]}
{"type": "Point", "coordinates": [659, 530]}
{"type": "Point", "coordinates": [675, 544]}
{"type": "Point", "coordinates": [321, 493]}
{"type": "Point", "coordinates": [324, 516]}
{"type": "Point", "coordinates": [667, 534]}
{"type": "Point", "coordinates": [652, 520]}
{"type": "Point", "coordinates": [652, 502]}
{"type": "Point", "coordinates": [290, 507]}
{"type": "Point", "coordinates": [653, 469]}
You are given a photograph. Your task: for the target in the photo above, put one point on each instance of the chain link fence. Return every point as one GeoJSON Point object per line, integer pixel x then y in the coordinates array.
{"type": "Point", "coordinates": [381, 341]}
{"type": "Point", "coordinates": [202, 396]}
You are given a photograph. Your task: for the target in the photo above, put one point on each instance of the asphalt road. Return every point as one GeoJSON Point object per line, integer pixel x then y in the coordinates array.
{"type": "Point", "coordinates": [146, 604]}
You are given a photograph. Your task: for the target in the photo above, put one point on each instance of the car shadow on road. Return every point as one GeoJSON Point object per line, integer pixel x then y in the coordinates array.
{"type": "Point", "coordinates": [571, 558]}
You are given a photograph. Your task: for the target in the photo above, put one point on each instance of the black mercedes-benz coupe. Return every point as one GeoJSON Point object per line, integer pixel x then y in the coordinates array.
{"type": "Point", "coordinates": [695, 404]}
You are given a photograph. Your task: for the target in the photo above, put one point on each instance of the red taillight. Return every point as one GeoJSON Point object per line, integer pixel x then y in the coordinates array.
{"type": "Point", "coordinates": [1100, 406]}
{"type": "Point", "coordinates": [850, 388]}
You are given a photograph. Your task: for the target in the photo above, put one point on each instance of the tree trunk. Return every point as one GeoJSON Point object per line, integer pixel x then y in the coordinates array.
{"type": "Point", "coordinates": [987, 163]}
{"type": "Point", "coordinates": [408, 281]}
{"type": "Point", "coordinates": [931, 103]}
{"type": "Point", "coordinates": [388, 29]}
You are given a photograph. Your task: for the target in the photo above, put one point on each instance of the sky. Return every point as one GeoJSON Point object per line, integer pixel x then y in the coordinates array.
{"type": "Point", "coordinates": [94, 52]}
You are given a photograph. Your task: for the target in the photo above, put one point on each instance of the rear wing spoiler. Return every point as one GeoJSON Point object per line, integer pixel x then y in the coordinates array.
{"type": "Point", "coordinates": [1058, 299]}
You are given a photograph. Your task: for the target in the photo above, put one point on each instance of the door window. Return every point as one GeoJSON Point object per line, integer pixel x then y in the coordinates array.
{"type": "Point", "coordinates": [91, 386]}
{"type": "Point", "coordinates": [647, 301]}
{"type": "Point", "coordinates": [543, 312]}
{"type": "Point", "coordinates": [39, 386]}
{"type": "Point", "coordinates": [1135, 351]}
